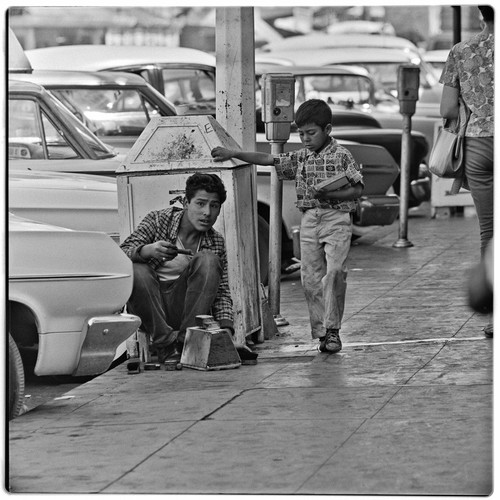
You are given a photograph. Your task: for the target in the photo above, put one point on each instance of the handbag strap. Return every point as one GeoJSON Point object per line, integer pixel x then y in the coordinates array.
{"type": "Point", "coordinates": [463, 116]}
{"type": "Point", "coordinates": [458, 125]}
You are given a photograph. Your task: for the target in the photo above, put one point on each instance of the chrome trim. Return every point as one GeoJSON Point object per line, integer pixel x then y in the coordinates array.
{"type": "Point", "coordinates": [69, 277]}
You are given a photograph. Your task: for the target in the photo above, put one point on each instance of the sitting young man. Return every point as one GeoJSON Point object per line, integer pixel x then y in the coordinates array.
{"type": "Point", "coordinates": [180, 268]}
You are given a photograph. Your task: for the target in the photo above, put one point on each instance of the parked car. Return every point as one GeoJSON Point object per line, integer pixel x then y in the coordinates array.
{"type": "Point", "coordinates": [382, 65]}
{"type": "Point", "coordinates": [30, 149]}
{"type": "Point", "coordinates": [444, 40]}
{"type": "Point", "coordinates": [76, 201]}
{"type": "Point", "coordinates": [115, 106]}
{"type": "Point", "coordinates": [378, 206]}
{"type": "Point", "coordinates": [350, 91]}
{"type": "Point", "coordinates": [91, 58]}
{"type": "Point", "coordinates": [342, 86]}
{"type": "Point", "coordinates": [378, 28]}
{"type": "Point", "coordinates": [436, 59]}
{"type": "Point", "coordinates": [321, 40]}
{"type": "Point", "coordinates": [184, 76]}
{"type": "Point", "coordinates": [42, 132]}
{"type": "Point", "coordinates": [66, 293]}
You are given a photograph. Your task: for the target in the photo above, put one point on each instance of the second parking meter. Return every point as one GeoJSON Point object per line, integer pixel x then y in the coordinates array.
{"type": "Point", "coordinates": [278, 100]}
{"type": "Point", "coordinates": [408, 87]}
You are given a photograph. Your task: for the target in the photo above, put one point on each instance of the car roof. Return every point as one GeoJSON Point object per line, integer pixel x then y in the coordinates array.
{"type": "Point", "coordinates": [361, 26]}
{"type": "Point", "coordinates": [263, 58]}
{"type": "Point", "coordinates": [102, 57]}
{"type": "Point", "coordinates": [325, 40]}
{"type": "Point", "coordinates": [16, 85]}
{"type": "Point", "coordinates": [313, 70]}
{"type": "Point", "coordinates": [349, 55]}
{"type": "Point", "coordinates": [436, 55]}
{"type": "Point", "coordinates": [57, 78]}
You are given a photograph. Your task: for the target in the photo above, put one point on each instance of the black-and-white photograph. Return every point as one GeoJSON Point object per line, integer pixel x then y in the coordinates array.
{"type": "Point", "coordinates": [249, 249]}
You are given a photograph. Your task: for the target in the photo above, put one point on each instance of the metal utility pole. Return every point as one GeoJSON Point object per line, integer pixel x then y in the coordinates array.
{"type": "Point", "coordinates": [235, 102]}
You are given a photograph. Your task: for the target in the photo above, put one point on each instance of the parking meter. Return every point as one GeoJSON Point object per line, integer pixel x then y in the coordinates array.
{"type": "Point", "coordinates": [278, 101]}
{"type": "Point", "coordinates": [277, 105]}
{"type": "Point", "coordinates": [408, 86]}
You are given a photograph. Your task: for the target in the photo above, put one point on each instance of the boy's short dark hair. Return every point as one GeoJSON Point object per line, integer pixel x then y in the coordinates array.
{"type": "Point", "coordinates": [211, 183]}
{"type": "Point", "coordinates": [314, 111]}
{"type": "Point", "coordinates": [487, 12]}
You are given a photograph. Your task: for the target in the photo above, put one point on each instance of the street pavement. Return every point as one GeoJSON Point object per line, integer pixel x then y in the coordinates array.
{"type": "Point", "coordinates": [404, 409]}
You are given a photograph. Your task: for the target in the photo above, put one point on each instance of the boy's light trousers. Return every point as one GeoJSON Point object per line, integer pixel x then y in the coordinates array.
{"type": "Point", "coordinates": [325, 240]}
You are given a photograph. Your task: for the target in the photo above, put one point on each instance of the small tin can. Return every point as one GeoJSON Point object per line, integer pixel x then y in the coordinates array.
{"type": "Point", "coordinates": [172, 365]}
{"type": "Point", "coordinates": [152, 366]}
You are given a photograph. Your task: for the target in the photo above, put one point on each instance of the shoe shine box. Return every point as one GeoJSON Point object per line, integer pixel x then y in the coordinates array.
{"type": "Point", "coordinates": [208, 347]}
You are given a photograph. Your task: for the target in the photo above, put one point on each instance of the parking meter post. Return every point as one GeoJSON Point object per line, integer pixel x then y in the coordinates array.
{"type": "Point", "coordinates": [403, 241]}
{"type": "Point", "coordinates": [278, 99]}
{"type": "Point", "coordinates": [408, 87]}
{"type": "Point", "coordinates": [275, 235]}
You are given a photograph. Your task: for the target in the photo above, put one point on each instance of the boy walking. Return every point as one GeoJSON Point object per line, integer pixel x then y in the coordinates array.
{"type": "Point", "coordinates": [326, 224]}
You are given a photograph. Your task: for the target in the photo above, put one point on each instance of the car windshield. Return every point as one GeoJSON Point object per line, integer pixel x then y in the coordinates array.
{"type": "Point", "coordinates": [83, 133]}
{"type": "Point", "coordinates": [109, 112]}
{"type": "Point", "coordinates": [33, 136]}
{"type": "Point", "coordinates": [339, 91]}
{"type": "Point", "coordinates": [385, 75]}
{"type": "Point", "coordinates": [342, 90]}
{"type": "Point", "coordinates": [189, 87]}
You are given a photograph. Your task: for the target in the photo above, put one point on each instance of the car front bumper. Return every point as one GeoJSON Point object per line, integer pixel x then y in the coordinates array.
{"type": "Point", "coordinates": [85, 353]}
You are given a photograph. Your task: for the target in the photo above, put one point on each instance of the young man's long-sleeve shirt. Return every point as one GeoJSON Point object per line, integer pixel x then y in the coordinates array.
{"type": "Point", "coordinates": [308, 168]}
{"type": "Point", "coordinates": [164, 225]}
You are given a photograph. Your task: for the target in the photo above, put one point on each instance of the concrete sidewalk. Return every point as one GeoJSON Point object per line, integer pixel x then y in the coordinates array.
{"type": "Point", "coordinates": [404, 409]}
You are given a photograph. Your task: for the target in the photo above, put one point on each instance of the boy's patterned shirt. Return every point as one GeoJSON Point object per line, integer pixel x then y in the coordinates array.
{"type": "Point", "coordinates": [164, 225]}
{"type": "Point", "coordinates": [308, 168]}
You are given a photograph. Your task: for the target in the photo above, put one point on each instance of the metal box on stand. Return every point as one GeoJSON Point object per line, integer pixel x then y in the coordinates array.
{"type": "Point", "coordinates": [154, 174]}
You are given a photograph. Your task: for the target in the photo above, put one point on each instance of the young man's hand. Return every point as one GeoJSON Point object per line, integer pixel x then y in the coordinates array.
{"type": "Point", "coordinates": [161, 250]}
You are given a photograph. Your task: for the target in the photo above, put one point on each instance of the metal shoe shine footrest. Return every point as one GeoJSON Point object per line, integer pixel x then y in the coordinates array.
{"type": "Point", "coordinates": [208, 347]}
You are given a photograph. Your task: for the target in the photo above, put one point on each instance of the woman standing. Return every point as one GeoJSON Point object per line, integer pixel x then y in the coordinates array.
{"type": "Point", "coordinates": [469, 73]}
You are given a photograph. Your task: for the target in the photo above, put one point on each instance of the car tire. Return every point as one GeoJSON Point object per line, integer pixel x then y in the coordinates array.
{"type": "Point", "coordinates": [15, 380]}
{"type": "Point", "coordinates": [263, 245]}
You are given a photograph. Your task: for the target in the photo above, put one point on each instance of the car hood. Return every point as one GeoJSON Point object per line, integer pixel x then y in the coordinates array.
{"type": "Point", "coordinates": [60, 181]}
{"type": "Point", "coordinates": [37, 249]}
{"type": "Point", "coordinates": [76, 166]}
{"type": "Point", "coordinates": [75, 201]}
{"type": "Point", "coordinates": [20, 224]}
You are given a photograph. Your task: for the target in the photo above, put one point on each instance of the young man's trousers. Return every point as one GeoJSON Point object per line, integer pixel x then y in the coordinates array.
{"type": "Point", "coordinates": [168, 308]}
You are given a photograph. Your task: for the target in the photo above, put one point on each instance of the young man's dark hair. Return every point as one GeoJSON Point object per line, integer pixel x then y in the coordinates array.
{"type": "Point", "coordinates": [487, 12]}
{"type": "Point", "coordinates": [211, 183]}
{"type": "Point", "coordinates": [314, 111]}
